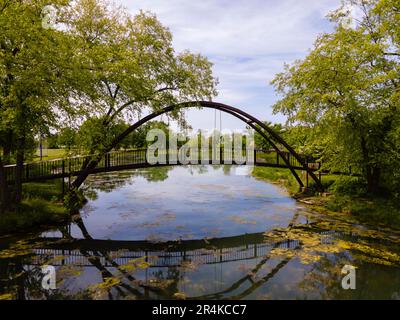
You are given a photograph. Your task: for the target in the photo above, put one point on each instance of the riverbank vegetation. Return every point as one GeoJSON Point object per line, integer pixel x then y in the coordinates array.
{"type": "Point", "coordinates": [344, 194]}
{"type": "Point", "coordinates": [342, 103]}
{"type": "Point", "coordinates": [42, 205]}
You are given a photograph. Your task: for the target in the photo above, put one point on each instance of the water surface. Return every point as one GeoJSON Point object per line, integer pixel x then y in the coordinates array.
{"type": "Point", "coordinates": [200, 232]}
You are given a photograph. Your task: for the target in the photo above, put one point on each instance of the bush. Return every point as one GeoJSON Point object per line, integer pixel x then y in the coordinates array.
{"type": "Point", "coordinates": [351, 186]}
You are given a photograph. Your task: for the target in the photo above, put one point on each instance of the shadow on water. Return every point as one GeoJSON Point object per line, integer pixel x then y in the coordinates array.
{"type": "Point", "coordinates": [298, 255]}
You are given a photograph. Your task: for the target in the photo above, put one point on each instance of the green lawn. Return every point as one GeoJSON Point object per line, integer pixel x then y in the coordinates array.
{"type": "Point", "coordinates": [51, 154]}
{"type": "Point", "coordinates": [279, 176]}
{"type": "Point", "coordinates": [42, 205]}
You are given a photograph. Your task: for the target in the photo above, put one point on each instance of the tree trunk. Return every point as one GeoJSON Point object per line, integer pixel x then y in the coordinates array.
{"type": "Point", "coordinates": [373, 179]}
{"type": "Point", "coordinates": [85, 172]}
{"type": "Point", "coordinates": [372, 173]}
{"type": "Point", "coordinates": [19, 170]}
{"type": "Point", "coordinates": [7, 147]}
{"type": "Point", "coordinates": [4, 194]}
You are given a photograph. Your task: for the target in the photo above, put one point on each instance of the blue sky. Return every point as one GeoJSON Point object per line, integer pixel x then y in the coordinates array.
{"type": "Point", "coordinates": [248, 42]}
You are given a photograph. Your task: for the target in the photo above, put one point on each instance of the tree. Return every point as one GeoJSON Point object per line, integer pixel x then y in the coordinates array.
{"type": "Point", "coordinates": [130, 68]}
{"type": "Point", "coordinates": [31, 62]}
{"type": "Point", "coordinates": [347, 90]}
{"type": "Point", "coordinates": [67, 138]}
{"type": "Point", "coordinates": [137, 138]}
{"type": "Point", "coordinates": [92, 134]}
{"type": "Point", "coordinates": [260, 142]}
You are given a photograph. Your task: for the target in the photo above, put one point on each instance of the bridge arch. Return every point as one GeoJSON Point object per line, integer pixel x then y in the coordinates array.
{"type": "Point", "coordinates": [272, 137]}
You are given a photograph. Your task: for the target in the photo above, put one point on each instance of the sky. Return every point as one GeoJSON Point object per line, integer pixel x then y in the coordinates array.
{"type": "Point", "coordinates": [248, 41]}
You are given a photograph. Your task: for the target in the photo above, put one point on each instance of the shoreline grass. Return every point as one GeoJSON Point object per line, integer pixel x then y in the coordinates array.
{"type": "Point", "coordinates": [42, 206]}
{"type": "Point", "coordinates": [344, 195]}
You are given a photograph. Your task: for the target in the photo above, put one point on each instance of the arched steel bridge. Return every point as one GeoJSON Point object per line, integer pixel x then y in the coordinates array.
{"type": "Point", "coordinates": [282, 155]}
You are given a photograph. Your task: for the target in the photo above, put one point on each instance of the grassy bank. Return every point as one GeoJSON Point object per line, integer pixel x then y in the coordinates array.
{"type": "Point", "coordinates": [343, 194]}
{"type": "Point", "coordinates": [41, 206]}
{"type": "Point", "coordinates": [282, 177]}
{"type": "Point", "coordinates": [51, 154]}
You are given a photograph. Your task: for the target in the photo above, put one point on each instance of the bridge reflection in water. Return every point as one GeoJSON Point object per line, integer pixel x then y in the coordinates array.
{"type": "Point", "coordinates": [110, 256]}
{"type": "Point", "coordinates": [165, 254]}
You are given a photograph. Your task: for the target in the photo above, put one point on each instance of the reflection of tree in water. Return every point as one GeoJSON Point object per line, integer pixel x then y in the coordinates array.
{"type": "Point", "coordinates": [21, 280]}
{"type": "Point", "coordinates": [107, 182]}
{"type": "Point", "coordinates": [325, 245]}
{"type": "Point", "coordinates": [13, 279]}
{"type": "Point", "coordinates": [330, 243]}
{"type": "Point", "coordinates": [119, 281]}
{"type": "Point", "coordinates": [199, 169]}
{"type": "Point", "coordinates": [202, 169]}
{"type": "Point", "coordinates": [110, 181]}
{"type": "Point", "coordinates": [227, 169]}
{"type": "Point", "coordinates": [168, 279]}
{"type": "Point", "coordinates": [373, 281]}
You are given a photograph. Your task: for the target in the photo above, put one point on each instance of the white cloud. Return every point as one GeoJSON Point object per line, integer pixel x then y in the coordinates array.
{"type": "Point", "coordinates": [248, 41]}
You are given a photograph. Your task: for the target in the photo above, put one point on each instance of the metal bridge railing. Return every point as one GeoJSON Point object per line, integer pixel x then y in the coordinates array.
{"type": "Point", "coordinates": [121, 159]}
{"type": "Point", "coordinates": [163, 258]}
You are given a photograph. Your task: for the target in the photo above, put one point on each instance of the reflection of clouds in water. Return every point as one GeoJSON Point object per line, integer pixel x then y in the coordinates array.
{"type": "Point", "coordinates": [164, 236]}
{"type": "Point", "coordinates": [147, 225]}
{"type": "Point", "coordinates": [87, 209]}
{"type": "Point", "coordinates": [199, 202]}
{"type": "Point", "coordinates": [241, 220]}
{"type": "Point", "coordinates": [161, 218]}
{"type": "Point", "coordinates": [158, 220]}
{"type": "Point", "coordinates": [114, 205]}
{"type": "Point", "coordinates": [196, 200]}
{"type": "Point", "coordinates": [211, 232]}
{"type": "Point", "coordinates": [168, 216]}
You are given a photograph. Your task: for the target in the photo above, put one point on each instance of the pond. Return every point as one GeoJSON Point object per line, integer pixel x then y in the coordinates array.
{"type": "Point", "coordinates": [200, 232]}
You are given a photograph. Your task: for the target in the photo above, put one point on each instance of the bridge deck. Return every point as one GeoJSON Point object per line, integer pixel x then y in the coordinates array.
{"type": "Point", "coordinates": [135, 159]}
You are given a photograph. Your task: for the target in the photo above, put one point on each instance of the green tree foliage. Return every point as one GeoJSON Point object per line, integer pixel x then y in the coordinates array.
{"type": "Point", "coordinates": [130, 67]}
{"type": "Point", "coordinates": [32, 60]}
{"type": "Point", "coordinates": [260, 142]}
{"type": "Point", "coordinates": [67, 138]}
{"type": "Point", "coordinates": [137, 139]}
{"type": "Point", "coordinates": [347, 91]}
{"type": "Point", "coordinates": [98, 66]}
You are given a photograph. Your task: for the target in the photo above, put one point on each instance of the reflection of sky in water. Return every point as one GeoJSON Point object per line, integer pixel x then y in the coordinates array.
{"type": "Point", "coordinates": [186, 205]}
{"type": "Point", "coordinates": [198, 202]}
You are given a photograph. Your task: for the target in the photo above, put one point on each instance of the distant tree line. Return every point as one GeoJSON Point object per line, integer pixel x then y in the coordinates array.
{"type": "Point", "coordinates": [87, 135]}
